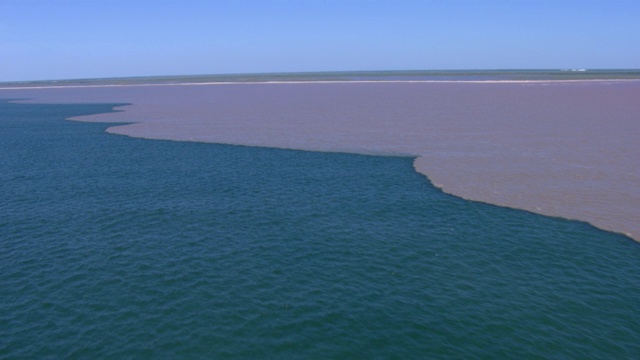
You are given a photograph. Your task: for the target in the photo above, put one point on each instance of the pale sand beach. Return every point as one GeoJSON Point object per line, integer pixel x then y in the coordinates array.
{"type": "Point", "coordinates": [558, 148]}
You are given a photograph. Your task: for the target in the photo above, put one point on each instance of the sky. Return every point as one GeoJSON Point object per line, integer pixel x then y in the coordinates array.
{"type": "Point", "coordinates": [75, 39]}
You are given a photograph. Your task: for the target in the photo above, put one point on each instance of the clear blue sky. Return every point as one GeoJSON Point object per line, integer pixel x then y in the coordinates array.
{"type": "Point", "coordinates": [63, 39]}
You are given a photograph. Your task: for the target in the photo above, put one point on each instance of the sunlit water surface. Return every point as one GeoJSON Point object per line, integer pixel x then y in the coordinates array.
{"type": "Point", "coordinates": [115, 247]}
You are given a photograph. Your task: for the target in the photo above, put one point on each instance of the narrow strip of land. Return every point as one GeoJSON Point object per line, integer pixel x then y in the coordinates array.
{"type": "Point", "coordinates": [50, 86]}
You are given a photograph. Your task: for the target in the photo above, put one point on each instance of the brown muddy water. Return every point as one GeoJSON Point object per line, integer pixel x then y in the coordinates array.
{"type": "Point", "coordinates": [567, 149]}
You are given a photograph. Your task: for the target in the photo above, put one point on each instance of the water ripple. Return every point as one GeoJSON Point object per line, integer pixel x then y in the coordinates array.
{"type": "Point", "coordinates": [148, 249]}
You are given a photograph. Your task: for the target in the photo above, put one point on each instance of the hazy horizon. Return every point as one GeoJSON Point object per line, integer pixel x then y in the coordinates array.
{"type": "Point", "coordinates": [382, 73]}
{"type": "Point", "coordinates": [74, 39]}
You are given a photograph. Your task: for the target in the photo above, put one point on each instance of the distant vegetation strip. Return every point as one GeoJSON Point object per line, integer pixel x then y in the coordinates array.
{"type": "Point", "coordinates": [405, 75]}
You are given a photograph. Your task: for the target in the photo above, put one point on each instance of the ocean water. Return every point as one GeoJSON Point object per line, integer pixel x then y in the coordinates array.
{"type": "Point", "coordinates": [116, 247]}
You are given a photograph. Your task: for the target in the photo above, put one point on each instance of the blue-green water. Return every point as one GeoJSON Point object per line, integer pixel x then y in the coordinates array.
{"type": "Point", "coordinates": [115, 247]}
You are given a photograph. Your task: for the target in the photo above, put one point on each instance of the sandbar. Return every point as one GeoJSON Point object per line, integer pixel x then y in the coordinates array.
{"type": "Point", "coordinates": [559, 148]}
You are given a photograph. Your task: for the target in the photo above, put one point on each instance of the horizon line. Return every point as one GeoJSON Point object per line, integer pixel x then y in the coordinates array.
{"type": "Point", "coordinates": [300, 75]}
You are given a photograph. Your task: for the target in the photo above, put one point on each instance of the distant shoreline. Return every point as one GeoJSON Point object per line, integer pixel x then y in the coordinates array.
{"type": "Point", "coordinates": [346, 76]}
{"type": "Point", "coordinates": [52, 86]}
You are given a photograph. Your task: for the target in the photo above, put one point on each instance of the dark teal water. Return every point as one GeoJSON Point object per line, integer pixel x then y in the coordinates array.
{"type": "Point", "coordinates": [114, 247]}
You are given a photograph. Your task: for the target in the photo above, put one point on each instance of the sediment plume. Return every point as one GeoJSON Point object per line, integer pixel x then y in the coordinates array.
{"type": "Point", "coordinates": [567, 149]}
